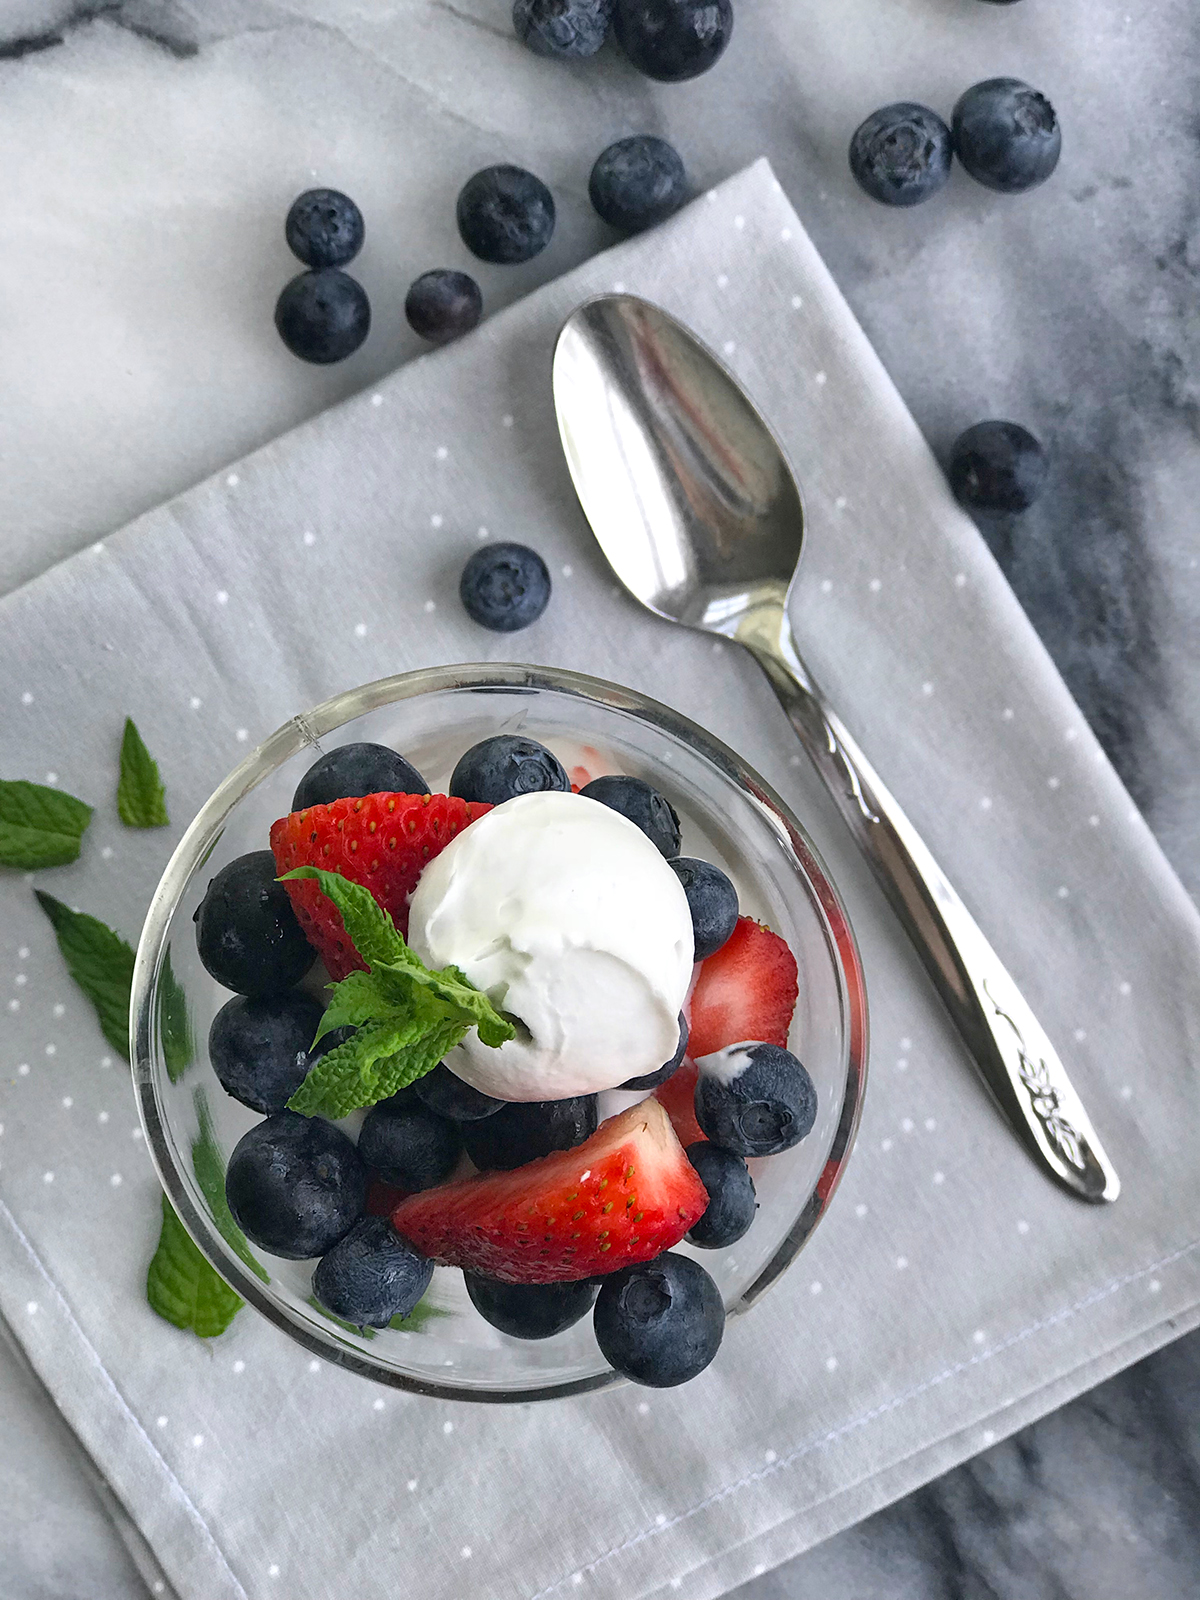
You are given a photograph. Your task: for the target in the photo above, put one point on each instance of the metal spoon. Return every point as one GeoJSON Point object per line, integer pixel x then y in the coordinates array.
{"type": "Point", "coordinates": [699, 513]}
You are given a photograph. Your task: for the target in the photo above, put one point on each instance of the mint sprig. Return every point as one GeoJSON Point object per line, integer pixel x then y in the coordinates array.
{"type": "Point", "coordinates": [141, 799]}
{"type": "Point", "coordinates": [100, 962]}
{"type": "Point", "coordinates": [39, 826]}
{"type": "Point", "coordinates": [183, 1287]}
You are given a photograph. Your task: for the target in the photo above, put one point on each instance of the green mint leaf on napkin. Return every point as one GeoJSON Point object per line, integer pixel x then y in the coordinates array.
{"type": "Point", "coordinates": [174, 1023]}
{"type": "Point", "coordinates": [181, 1285]}
{"type": "Point", "coordinates": [210, 1175]}
{"type": "Point", "coordinates": [100, 962]}
{"type": "Point", "coordinates": [39, 826]}
{"type": "Point", "coordinates": [141, 800]}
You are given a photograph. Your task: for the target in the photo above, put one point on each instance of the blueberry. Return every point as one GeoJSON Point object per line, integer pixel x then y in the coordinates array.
{"type": "Point", "coordinates": [442, 305]}
{"type": "Point", "coordinates": [259, 1048]}
{"type": "Point", "coordinates": [353, 770]}
{"type": "Point", "coordinates": [712, 900]}
{"type": "Point", "coordinates": [505, 215]}
{"type": "Point", "coordinates": [295, 1185]}
{"type": "Point", "coordinates": [324, 228]}
{"type": "Point", "coordinates": [731, 1198]}
{"type": "Point", "coordinates": [523, 1130]}
{"type": "Point", "coordinates": [530, 1310]}
{"type": "Point", "coordinates": [565, 28]}
{"type": "Point", "coordinates": [323, 316]}
{"type": "Point", "coordinates": [372, 1275]}
{"type": "Point", "coordinates": [502, 767]}
{"type": "Point", "coordinates": [445, 1092]}
{"type": "Point", "coordinates": [673, 39]}
{"type": "Point", "coordinates": [651, 1080]}
{"type": "Point", "coordinates": [637, 182]}
{"type": "Point", "coordinates": [408, 1144]}
{"type": "Point", "coordinates": [997, 466]}
{"type": "Point", "coordinates": [246, 931]}
{"type": "Point", "coordinates": [505, 587]}
{"type": "Point", "coordinates": [644, 807]}
{"type": "Point", "coordinates": [754, 1099]}
{"type": "Point", "coordinates": [901, 154]}
{"type": "Point", "coordinates": [660, 1323]}
{"type": "Point", "coordinates": [1006, 135]}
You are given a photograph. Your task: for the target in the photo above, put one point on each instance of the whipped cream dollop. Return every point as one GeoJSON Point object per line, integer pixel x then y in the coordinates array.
{"type": "Point", "coordinates": [570, 920]}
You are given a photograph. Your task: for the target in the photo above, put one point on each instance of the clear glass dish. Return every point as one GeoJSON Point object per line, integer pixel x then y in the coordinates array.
{"type": "Point", "coordinates": [729, 815]}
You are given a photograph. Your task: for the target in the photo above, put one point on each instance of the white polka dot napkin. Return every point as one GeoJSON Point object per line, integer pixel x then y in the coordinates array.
{"type": "Point", "coordinates": [951, 1295]}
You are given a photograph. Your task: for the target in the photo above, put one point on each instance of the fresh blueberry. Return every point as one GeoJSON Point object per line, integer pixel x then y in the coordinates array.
{"type": "Point", "coordinates": [754, 1099]}
{"type": "Point", "coordinates": [246, 931]}
{"type": "Point", "coordinates": [660, 1323]}
{"type": "Point", "coordinates": [565, 28]}
{"type": "Point", "coordinates": [295, 1185]}
{"type": "Point", "coordinates": [323, 316]}
{"type": "Point", "coordinates": [324, 228]}
{"type": "Point", "coordinates": [353, 770]}
{"type": "Point", "coordinates": [712, 900]}
{"type": "Point", "coordinates": [505, 215]}
{"type": "Point", "coordinates": [1006, 135]}
{"type": "Point", "coordinates": [644, 807]}
{"type": "Point", "coordinates": [901, 154]}
{"type": "Point", "coordinates": [731, 1198]}
{"type": "Point", "coordinates": [259, 1048]}
{"type": "Point", "coordinates": [523, 1130]}
{"type": "Point", "coordinates": [673, 39]}
{"type": "Point", "coordinates": [997, 467]}
{"type": "Point", "coordinates": [372, 1275]}
{"type": "Point", "coordinates": [502, 767]}
{"type": "Point", "coordinates": [651, 1080]}
{"type": "Point", "coordinates": [442, 305]}
{"type": "Point", "coordinates": [446, 1093]}
{"type": "Point", "coordinates": [637, 182]}
{"type": "Point", "coordinates": [505, 587]}
{"type": "Point", "coordinates": [530, 1310]}
{"type": "Point", "coordinates": [408, 1144]}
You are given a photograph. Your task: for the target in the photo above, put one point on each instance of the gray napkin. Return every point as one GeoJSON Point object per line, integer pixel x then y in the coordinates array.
{"type": "Point", "coordinates": [951, 1295]}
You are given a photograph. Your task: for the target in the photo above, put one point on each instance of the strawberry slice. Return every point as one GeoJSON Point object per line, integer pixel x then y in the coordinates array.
{"type": "Point", "coordinates": [678, 1099]}
{"type": "Point", "coordinates": [623, 1196]}
{"type": "Point", "coordinates": [747, 990]}
{"type": "Point", "coordinates": [382, 841]}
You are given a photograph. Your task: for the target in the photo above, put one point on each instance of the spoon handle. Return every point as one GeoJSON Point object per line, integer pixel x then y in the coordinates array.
{"type": "Point", "coordinates": [1014, 1056]}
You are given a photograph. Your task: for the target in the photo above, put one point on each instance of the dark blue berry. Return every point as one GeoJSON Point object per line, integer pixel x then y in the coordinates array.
{"type": "Point", "coordinates": [530, 1310]}
{"type": "Point", "coordinates": [673, 39]}
{"type": "Point", "coordinates": [712, 900]}
{"type": "Point", "coordinates": [523, 1130]}
{"type": "Point", "coordinates": [442, 305]}
{"type": "Point", "coordinates": [565, 28]}
{"type": "Point", "coordinates": [372, 1275]}
{"type": "Point", "coordinates": [505, 215]}
{"type": "Point", "coordinates": [259, 1049]}
{"type": "Point", "coordinates": [505, 587]}
{"type": "Point", "coordinates": [408, 1144]}
{"type": "Point", "coordinates": [901, 154]}
{"type": "Point", "coordinates": [997, 467]}
{"type": "Point", "coordinates": [502, 767]}
{"type": "Point", "coordinates": [731, 1198]}
{"type": "Point", "coordinates": [295, 1185]}
{"type": "Point", "coordinates": [324, 228]}
{"type": "Point", "coordinates": [651, 1080]}
{"type": "Point", "coordinates": [1006, 135]}
{"type": "Point", "coordinates": [661, 1323]}
{"type": "Point", "coordinates": [754, 1099]}
{"type": "Point", "coordinates": [644, 806]}
{"type": "Point", "coordinates": [353, 770]}
{"type": "Point", "coordinates": [637, 182]}
{"type": "Point", "coordinates": [445, 1092]}
{"type": "Point", "coordinates": [246, 931]}
{"type": "Point", "coordinates": [323, 316]}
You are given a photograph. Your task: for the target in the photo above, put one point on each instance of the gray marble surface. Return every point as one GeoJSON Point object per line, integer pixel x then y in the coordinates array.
{"type": "Point", "coordinates": [152, 147]}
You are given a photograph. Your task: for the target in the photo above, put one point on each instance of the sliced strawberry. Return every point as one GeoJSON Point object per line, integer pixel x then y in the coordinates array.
{"type": "Point", "coordinates": [625, 1195]}
{"type": "Point", "coordinates": [678, 1099]}
{"type": "Point", "coordinates": [381, 841]}
{"type": "Point", "coordinates": [747, 990]}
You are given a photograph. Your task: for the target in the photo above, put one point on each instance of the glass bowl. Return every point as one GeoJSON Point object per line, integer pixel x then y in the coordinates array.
{"type": "Point", "coordinates": [729, 815]}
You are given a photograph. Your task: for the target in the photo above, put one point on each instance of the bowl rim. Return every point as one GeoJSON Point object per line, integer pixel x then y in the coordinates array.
{"type": "Point", "coordinates": [304, 731]}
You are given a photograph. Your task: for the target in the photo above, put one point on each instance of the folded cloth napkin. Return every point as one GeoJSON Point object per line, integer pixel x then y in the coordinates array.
{"type": "Point", "coordinates": [952, 1294]}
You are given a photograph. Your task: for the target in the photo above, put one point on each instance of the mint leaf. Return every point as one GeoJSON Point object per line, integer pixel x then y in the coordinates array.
{"type": "Point", "coordinates": [458, 993]}
{"type": "Point", "coordinates": [357, 999]}
{"type": "Point", "coordinates": [181, 1285]}
{"type": "Point", "coordinates": [210, 1175]}
{"type": "Point", "coordinates": [416, 1319]}
{"type": "Point", "coordinates": [141, 801]}
{"type": "Point", "coordinates": [39, 826]}
{"type": "Point", "coordinates": [382, 1058]}
{"type": "Point", "coordinates": [368, 926]}
{"type": "Point", "coordinates": [100, 962]}
{"type": "Point", "coordinates": [174, 1023]}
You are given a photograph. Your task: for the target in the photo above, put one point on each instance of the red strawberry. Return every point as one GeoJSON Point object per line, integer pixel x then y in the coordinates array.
{"type": "Point", "coordinates": [625, 1195]}
{"type": "Point", "coordinates": [747, 990]}
{"type": "Point", "coordinates": [678, 1099]}
{"type": "Point", "coordinates": [381, 841]}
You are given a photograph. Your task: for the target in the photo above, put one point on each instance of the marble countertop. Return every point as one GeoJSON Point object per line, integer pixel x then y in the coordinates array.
{"type": "Point", "coordinates": [153, 147]}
